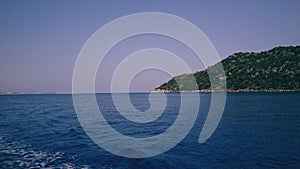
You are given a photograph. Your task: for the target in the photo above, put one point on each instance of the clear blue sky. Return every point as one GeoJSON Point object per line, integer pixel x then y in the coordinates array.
{"type": "Point", "coordinates": [40, 40]}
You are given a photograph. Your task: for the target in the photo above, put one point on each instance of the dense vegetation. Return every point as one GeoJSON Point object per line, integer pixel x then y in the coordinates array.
{"type": "Point", "coordinates": [273, 70]}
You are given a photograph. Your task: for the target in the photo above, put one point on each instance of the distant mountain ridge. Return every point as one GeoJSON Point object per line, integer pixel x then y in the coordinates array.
{"type": "Point", "coordinates": [275, 70]}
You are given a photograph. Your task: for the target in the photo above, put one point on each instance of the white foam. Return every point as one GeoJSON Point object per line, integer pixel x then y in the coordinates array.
{"type": "Point", "coordinates": [26, 157]}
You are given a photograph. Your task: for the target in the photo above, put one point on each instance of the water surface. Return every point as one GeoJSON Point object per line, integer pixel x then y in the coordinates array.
{"type": "Point", "coordinates": [258, 130]}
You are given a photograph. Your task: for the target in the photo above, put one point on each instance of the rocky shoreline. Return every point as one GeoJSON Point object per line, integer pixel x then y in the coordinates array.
{"type": "Point", "coordinates": [229, 91]}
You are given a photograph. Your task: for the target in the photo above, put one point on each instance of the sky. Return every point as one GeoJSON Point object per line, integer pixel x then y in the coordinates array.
{"type": "Point", "coordinates": [41, 40]}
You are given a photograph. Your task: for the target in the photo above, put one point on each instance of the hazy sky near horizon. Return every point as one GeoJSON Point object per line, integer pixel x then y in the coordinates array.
{"type": "Point", "coordinates": [40, 40]}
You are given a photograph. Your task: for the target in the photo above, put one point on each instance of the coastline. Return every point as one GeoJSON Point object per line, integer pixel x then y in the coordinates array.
{"type": "Point", "coordinates": [161, 91]}
{"type": "Point", "coordinates": [228, 91]}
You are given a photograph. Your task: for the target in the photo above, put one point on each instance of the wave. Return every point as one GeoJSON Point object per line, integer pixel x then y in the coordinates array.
{"type": "Point", "coordinates": [14, 154]}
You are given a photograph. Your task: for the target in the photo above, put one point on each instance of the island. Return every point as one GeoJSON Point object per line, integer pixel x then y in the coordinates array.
{"type": "Point", "coordinates": [275, 70]}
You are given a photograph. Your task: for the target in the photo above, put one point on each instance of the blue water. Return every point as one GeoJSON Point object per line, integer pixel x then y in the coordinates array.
{"type": "Point", "coordinates": [258, 130]}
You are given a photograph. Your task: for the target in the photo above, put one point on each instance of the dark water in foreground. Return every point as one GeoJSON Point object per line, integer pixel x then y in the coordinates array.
{"type": "Point", "coordinates": [258, 130]}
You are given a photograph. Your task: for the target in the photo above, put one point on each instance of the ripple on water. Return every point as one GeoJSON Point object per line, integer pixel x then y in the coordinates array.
{"type": "Point", "coordinates": [15, 155]}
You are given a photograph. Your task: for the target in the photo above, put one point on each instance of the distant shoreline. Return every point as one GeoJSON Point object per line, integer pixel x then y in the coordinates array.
{"type": "Point", "coordinates": [37, 93]}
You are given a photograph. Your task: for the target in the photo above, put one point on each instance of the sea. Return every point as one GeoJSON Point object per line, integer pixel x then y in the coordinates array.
{"type": "Point", "coordinates": [257, 130]}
